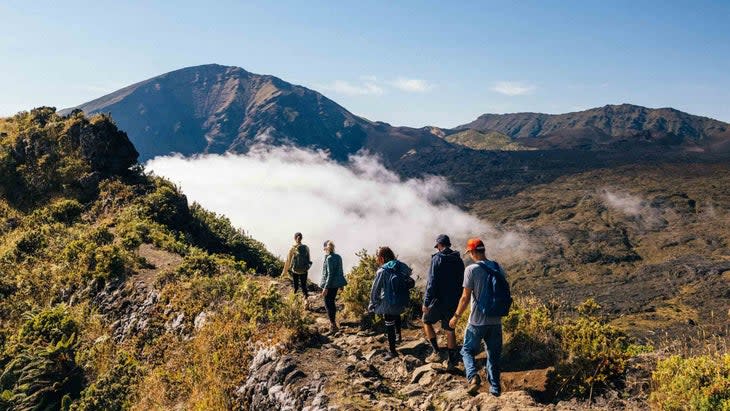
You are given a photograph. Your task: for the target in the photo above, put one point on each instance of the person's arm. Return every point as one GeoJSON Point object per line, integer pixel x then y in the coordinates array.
{"type": "Point", "coordinates": [429, 295]}
{"type": "Point", "coordinates": [287, 263]}
{"type": "Point", "coordinates": [463, 303]}
{"type": "Point", "coordinates": [375, 291]}
{"type": "Point", "coordinates": [326, 275]}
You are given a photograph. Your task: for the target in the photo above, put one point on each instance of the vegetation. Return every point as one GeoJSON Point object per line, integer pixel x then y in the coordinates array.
{"type": "Point", "coordinates": [693, 383]}
{"type": "Point", "coordinates": [115, 294]}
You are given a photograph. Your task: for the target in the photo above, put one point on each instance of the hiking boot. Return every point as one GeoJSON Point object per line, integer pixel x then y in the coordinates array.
{"type": "Point", "coordinates": [390, 355]}
{"type": "Point", "coordinates": [334, 329]}
{"type": "Point", "coordinates": [398, 339]}
{"type": "Point", "coordinates": [451, 364]}
{"type": "Point", "coordinates": [474, 384]}
{"type": "Point", "coordinates": [495, 391]}
{"type": "Point", "coordinates": [436, 356]}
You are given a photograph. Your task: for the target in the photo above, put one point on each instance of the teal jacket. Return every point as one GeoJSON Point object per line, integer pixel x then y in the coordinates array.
{"type": "Point", "coordinates": [332, 274]}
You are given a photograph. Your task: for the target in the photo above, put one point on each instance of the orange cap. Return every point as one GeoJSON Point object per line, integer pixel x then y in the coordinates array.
{"type": "Point", "coordinates": [474, 244]}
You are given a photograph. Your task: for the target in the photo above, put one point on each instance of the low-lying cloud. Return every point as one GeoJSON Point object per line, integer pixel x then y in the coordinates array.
{"type": "Point", "coordinates": [273, 192]}
{"type": "Point", "coordinates": [632, 206]}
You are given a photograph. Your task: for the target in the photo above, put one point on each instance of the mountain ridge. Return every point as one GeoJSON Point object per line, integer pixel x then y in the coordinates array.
{"type": "Point", "coordinates": [214, 109]}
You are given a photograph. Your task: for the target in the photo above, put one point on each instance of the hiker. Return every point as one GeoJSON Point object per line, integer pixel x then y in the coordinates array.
{"type": "Point", "coordinates": [443, 289]}
{"type": "Point", "coordinates": [390, 294]}
{"type": "Point", "coordinates": [333, 278]}
{"type": "Point", "coordinates": [485, 284]}
{"type": "Point", "coordinates": [297, 265]}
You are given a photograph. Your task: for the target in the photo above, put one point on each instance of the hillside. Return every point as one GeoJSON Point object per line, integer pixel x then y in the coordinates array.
{"type": "Point", "coordinates": [488, 141]}
{"type": "Point", "coordinates": [609, 124]}
{"type": "Point", "coordinates": [649, 243]}
{"type": "Point", "coordinates": [214, 109]}
{"type": "Point", "coordinates": [115, 293]}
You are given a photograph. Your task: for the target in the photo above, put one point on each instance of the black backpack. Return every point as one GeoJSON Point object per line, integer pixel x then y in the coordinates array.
{"type": "Point", "coordinates": [495, 299]}
{"type": "Point", "coordinates": [300, 262]}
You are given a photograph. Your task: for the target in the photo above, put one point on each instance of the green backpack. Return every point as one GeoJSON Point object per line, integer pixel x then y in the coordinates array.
{"type": "Point", "coordinates": [301, 263]}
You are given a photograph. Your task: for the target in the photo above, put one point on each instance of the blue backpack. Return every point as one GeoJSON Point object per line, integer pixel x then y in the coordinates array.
{"type": "Point", "coordinates": [398, 288]}
{"type": "Point", "coordinates": [495, 299]}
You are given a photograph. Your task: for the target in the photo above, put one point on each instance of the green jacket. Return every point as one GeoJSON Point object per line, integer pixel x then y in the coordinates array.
{"type": "Point", "coordinates": [332, 274]}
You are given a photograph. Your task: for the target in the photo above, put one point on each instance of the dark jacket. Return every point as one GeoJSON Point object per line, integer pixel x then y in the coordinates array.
{"type": "Point", "coordinates": [378, 303]}
{"type": "Point", "coordinates": [332, 274]}
{"type": "Point", "coordinates": [445, 279]}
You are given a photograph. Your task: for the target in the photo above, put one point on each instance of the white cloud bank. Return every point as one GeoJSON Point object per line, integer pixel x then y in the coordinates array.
{"type": "Point", "coordinates": [513, 88]}
{"type": "Point", "coordinates": [274, 192]}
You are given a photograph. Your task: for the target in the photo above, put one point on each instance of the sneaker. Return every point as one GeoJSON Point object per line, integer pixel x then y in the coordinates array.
{"type": "Point", "coordinates": [474, 384]}
{"type": "Point", "coordinates": [390, 355]}
{"type": "Point", "coordinates": [495, 391]}
{"type": "Point", "coordinates": [436, 356]}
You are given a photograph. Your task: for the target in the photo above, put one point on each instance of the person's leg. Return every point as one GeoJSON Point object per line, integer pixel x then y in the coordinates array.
{"type": "Point", "coordinates": [295, 282]}
{"type": "Point", "coordinates": [471, 348]}
{"type": "Point", "coordinates": [329, 304]}
{"type": "Point", "coordinates": [390, 331]}
{"type": "Point", "coordinates": [398, 327]}
{"type": "Point", "coordinates": [450, 343]}
{"type": "Point", "coordinates": [493, 339]}
{"type": "Point", "coordinates": [430, 334]}
{"type": "Point", "coordinates": [304, 285]}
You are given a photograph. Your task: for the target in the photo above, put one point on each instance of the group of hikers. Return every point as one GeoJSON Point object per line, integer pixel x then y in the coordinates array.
{"type": "Point", "coordinates": [451, 288]}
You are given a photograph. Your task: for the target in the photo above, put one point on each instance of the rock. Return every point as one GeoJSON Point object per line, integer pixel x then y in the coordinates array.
{"type": "Point", "coordinates": [369, 356]}
{"type": "Point", "coordinates": [200, 320]}
{"type": "Point", "coordinates": [416, 348]}
{"type": "Point", "coordinates": [419, 372]}
{"type": "Point", "coordinates": [411, 362]}
{"type": "Point", "coordinates": [427, 378]}
{"type": "Point", "coordinates": [411, 390]}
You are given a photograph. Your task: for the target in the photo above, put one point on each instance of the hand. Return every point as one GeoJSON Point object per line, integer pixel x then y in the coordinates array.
{"type": "Point", "coordinates": [453, 321]}
{"type": "Point", "coordinates": [324, 292]}
{"type": "Point", "coordinates": [425, 309]}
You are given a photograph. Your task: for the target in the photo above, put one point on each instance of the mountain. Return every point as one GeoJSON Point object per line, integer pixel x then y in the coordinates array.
{"type": "Point", "coordinates": [214, 109]}
{"type": "Point", "coordinates": [607, 126]}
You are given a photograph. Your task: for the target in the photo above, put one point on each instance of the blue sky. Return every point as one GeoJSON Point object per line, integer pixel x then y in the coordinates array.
{"type": "Point", "coordinates": [410, 63]}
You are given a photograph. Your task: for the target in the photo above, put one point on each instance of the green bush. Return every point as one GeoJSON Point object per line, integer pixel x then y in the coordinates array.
{"type": "Point", "coordinates": [530, 335]}
{"type": "Point", "coordinates": [40, 371]}
{"type": "Point", "coordinates": [66, 211]}
{"type": "Point", "coordinates": [356, 294]}
{"type": "Point", "coordinates": [114, 390]}
{"type": "Point", "coordinates": [694, 383]}
{"type": "Point", "coordinates": [593, 355]}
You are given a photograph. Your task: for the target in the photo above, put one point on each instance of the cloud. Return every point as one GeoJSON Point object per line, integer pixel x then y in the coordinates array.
{"type": "Point", "coordinates": [411, 85]}
{"type": "Point", "coordinates": [633, 206]}
{"type": "Point", "coordinates": [513, 88]}
{"type": "Point", "coordinates": [273, 192]}
{"type": "Point", "coordinates": [363, 88]}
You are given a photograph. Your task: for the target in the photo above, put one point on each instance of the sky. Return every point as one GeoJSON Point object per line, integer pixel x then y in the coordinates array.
{"type": "Point", "coordinates": [412, 63]}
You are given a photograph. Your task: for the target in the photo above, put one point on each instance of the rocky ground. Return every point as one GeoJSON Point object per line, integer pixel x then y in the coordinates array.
{"type": "Point", "coordinates": [348, 371]}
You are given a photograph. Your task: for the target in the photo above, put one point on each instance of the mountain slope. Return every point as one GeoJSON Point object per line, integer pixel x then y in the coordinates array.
{"type": "Point", "coordinates": [214, 108]}
{"type": "Point", "coordinates": [606, 124]}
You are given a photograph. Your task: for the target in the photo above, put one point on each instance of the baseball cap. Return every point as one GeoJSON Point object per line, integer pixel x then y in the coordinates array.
{"type": "Point", "coordinates": [444, 240]}
{"type": "Point", "coordinates": [474, 244]}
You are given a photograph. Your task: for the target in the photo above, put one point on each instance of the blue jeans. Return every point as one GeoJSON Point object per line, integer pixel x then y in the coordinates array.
{"type": "Point", "coordinates": [492, 337]}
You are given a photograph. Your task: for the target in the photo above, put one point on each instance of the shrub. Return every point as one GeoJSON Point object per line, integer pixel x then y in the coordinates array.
{"type": "Point", "coordinates": [66, 211]}
{"type": "Point", "coordinates": [694, 383]}
{"type": "Point", "coordinates": [593, 355]}
{"type": "Point", "coordinates": [356, 294]}
{"type": "Point", "coordinates": [40, 370]}
{"type": "Point", "coordinates": [530, 338]}
{"type": "Point", "coordinates": [112, 391]}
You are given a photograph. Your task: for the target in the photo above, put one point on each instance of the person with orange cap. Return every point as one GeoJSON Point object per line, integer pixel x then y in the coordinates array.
{"type": "Point", "coordinates": [486, 288]}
